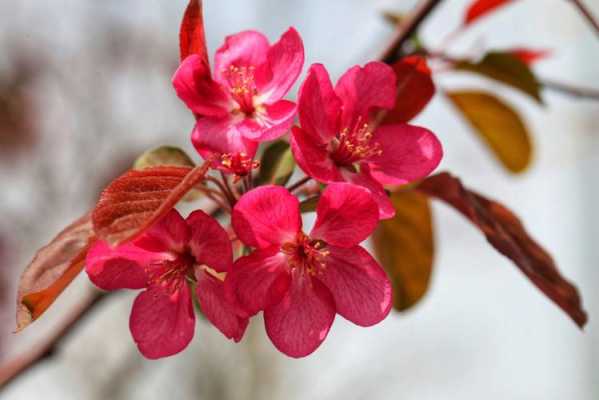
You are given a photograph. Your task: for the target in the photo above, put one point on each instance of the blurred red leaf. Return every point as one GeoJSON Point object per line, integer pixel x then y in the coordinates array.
{"type": "Point", "coordinates": [192, 39]}
{"type": "Point", "coordinates": [415, 88]}
{"type": "Point", "coordinates": [480, 8]}
{"type": "Point", "coordinates": [52, 269]}
{"type": "Point", "coordinates": [137, 199]}
{"type": "Point", "coordinates": [529, 56]}
{"type": "Point", "coordinates": [506, 233]}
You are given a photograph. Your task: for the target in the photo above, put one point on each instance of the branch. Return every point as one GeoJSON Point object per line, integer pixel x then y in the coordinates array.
{"type": "Point", "coordinates": [587, 93]}
{"type": "Point", "coordinates": [587, 14]}
{"type": "Point", "coordinates": [46, 348]}
{"type": "Point", "coordinates": [407, 28]}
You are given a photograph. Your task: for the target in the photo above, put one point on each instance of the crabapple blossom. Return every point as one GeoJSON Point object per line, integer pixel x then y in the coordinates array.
{"type": "Point", "coordinates": [302, 280]}
{"type": "Point", "coordinates": [164, 261]}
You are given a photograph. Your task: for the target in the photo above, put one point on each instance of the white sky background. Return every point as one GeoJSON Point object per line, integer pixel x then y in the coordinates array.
{"type": "Point", "coordinates": [483, 331]}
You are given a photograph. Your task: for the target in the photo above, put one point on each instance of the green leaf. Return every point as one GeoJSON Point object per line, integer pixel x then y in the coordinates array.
{"type": "Point", "coordinates": [499, 125]}
{"type": "Point", "coordinates": [277, 164]}
{"type": "Point", "coordinates": [163, 155]}
{"type": "Point", "coordinates": [405, 247]}
{"type": "Point", "coordinates": [505, 68]}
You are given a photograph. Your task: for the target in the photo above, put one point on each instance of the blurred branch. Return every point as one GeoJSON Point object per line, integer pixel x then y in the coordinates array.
{"type": "Point", "coordinates": [407, 28]}
{"type": "Point", "coordinates": [587, 93]}
{"type": "Point", "coordinates": [587, 14]}
{"type": "Point", "coordinates": [47, 348]}
{"type": "Point", "coordinates": [549, 84]}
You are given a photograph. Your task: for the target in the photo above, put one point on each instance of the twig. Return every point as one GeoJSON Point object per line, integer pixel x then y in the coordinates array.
{"type": "Point", "coordinates": [406, 29]}
{"type": "Point", "coordinates": [587, 93]}
{"type": "Point", "coordinates": [565, 88]}
{"type": "Point", "coordinates": [298, 183]}
{"type": "Point", "coordinates": [587, 14]}
{"type": "Point", "coordinates": [46, 348]}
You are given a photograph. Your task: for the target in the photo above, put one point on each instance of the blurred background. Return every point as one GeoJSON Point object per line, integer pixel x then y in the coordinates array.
{"type": "Point", "coordinates": [85, 88]}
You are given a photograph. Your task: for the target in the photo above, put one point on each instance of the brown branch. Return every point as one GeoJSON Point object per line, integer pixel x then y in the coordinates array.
{"type": "Point", "coordinates": [299, 183]}
{"type": "Point", "coordinates": [407, 28]}
{"type": "Point", "coordinates": [576, 91]}
{"type": "Point", "coordinates": [46, 348]}
{"type": "Point", "coordinates": [584, 10]}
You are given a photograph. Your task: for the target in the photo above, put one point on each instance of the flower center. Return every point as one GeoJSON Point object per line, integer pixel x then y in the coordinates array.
{"type": "Point", "coordinates": [243, 87]}
{"type": "Point", "coordinates": [238, 164]}
{"type": "Point", "coordinates": [306, 255]}
{"type": "Point", "coordinates": [171, 273]}
{"type": "Point", "coordinates": [354, 144]}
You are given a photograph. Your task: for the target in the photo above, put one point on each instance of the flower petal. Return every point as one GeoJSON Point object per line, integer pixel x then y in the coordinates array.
{"type": "Point", "coordinates": [258, 280]}
{"type": "Point", "coordinates": [408, 153]}
{"type": "Point", "coordinates": [214, 137]}
{"type": "Point", "coordinates": [122, 267]}
{"type": "Point", "coordinates": [209, 243]}
{"type": "Point", "coordinates": [162, 323]}
{"type": "Point", "coordinates": [194, 85]}
{"type": "Point", "coordinates": [363, 88]}
{"type": "Point", "coordinates": [265, 216]}
{"type": "Point", "coordinates": [313, 157]}
{"type": "Point", "coordinates": [222, 314]}
{"type": "Point", "coordinates": [300, 322]}
{"type": "Point", "coordinates": [244, 49]}
{"type": "Point", "coordinates": [170, 233]}
{"type": "Point", "coordinates": [346, 215]}
{"type": "Point", "coordinates": [319, 106]}
{"type": "Point", "coordinates": [386, 209]}
{"type": "Point", "coordinates": [273, 121]}
{"type": "Point", "coordinates": [283, 65]}
{"type": "Point", "coordinates": [360, 287]}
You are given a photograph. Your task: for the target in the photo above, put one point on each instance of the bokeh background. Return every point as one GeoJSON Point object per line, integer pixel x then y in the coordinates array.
{"type": "Point", "coordinates": [85, 87]}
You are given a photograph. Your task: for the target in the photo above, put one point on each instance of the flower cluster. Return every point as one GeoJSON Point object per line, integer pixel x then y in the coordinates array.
{"type": "Point", "coordinates": [266, 261]}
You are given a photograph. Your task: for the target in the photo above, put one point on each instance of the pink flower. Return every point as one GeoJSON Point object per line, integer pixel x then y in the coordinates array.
{"type": "Point", "coordinates": [241, 104]}
{"type": "Point", "coordinates": [339, 140]}
{"type": "Point", "coordinates": [170, 255]}
{"type": "Point", "coordinates": [301, 281]}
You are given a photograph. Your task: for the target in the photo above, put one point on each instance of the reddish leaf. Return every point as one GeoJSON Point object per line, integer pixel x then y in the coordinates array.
{"type": "Point", "coordinates": [480, 8]}
{"type": "Point", "coordinates": [192, 39]}
{"type": "Point", "coordinates": [53, 268]}
{"type": "Point", "coordinates": [137, 199]}
{"type": "Point", "coordinates": [414, 90]}
{"type": "Point", "coordinates": [529, 56]}
{"type": "Point", "coordinates": [506, 233]}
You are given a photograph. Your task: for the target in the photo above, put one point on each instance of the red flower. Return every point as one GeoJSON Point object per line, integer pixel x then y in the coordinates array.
{"type": "Point", "coordinates": [301, 281]}
{"type": "Point", "coordinates": [339, 140]}
{"type": "Point", "coordinates": [164, 261]}
{"type": "Point", "coordinates": [241, 104]}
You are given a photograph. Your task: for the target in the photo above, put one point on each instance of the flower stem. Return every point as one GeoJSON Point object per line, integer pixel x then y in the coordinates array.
{"type": "Point", "coordinates": [299, 183]}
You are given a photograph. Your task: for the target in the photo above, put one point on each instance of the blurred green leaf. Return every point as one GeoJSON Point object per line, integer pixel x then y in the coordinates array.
{"type": "Point", "coordinates": [405, 247]}
{"type": "Point", "coordinates": [499, 125]}
{"type": "Point", "coordinates": [506, 68]}
{"type": "Point", "coordinates": [163, 155]}
{"type": "Point", "coordinates": [277, 164]}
